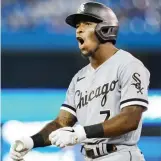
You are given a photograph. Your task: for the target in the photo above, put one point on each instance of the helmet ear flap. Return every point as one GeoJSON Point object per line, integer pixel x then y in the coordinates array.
{"type": "Point", "coordinates": [105, 32]}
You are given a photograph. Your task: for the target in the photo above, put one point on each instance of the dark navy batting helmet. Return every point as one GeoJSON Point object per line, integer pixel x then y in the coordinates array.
{"type": "Point", "coordinates": [107, 27]}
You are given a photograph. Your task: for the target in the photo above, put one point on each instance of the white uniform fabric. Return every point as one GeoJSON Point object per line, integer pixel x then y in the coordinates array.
{"type": "Point", "coordinates": [98, 94]}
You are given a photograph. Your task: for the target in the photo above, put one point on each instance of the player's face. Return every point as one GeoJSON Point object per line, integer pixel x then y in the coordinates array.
{"type": "Point", "coordinates": [87, 40]}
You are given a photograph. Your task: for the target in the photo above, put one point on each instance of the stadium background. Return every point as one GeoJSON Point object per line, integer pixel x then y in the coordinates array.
{"type": "Point", "coordinates": [40, 56]}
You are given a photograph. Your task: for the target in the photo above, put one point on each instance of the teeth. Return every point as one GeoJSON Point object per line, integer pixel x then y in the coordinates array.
{"type": "Point", "coordinates": [80, 40]}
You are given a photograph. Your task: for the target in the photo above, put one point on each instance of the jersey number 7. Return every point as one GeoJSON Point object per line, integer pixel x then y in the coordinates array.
{"type": "Point", "coordinates": [107, 112]}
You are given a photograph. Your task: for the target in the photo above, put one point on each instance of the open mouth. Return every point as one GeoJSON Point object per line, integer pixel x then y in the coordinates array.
{"type": "Point", "coordinates": [80, 40]}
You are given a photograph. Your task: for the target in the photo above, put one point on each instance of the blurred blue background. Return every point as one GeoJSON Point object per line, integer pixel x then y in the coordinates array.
{"type": "Point", "coordinates": [40, 56]}
{"type": "Point", "coordinates": [40, 24]}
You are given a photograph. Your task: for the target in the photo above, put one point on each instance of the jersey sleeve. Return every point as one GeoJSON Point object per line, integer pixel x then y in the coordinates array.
{"type": "Point", "coordinates": [134, 83]}
{"type": "Point", "coordinates": [68, 104]}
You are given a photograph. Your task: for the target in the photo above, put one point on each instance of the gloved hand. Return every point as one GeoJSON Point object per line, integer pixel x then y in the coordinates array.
{"type": "Point", "coordinates": [21, 147]}
{"type": "Point", "coordinates": [67, 136]}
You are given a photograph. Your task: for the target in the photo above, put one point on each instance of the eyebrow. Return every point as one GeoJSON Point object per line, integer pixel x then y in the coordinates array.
{"type": "Point", "coordinates": [84, 22]}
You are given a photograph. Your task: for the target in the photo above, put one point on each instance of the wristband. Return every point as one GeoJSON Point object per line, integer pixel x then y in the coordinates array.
{"type": "Point", "coordinates": [38, 140]}
{"type": "Point", "coordinates": [94, 131]}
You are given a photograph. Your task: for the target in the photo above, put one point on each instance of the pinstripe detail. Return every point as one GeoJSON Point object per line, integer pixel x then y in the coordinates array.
{"type": "Point", "coordinates": [70, 107]}
{"type": "Point", "coordinates": [134, 99]}
{"type": "Point", "coordinates": [130, 156]}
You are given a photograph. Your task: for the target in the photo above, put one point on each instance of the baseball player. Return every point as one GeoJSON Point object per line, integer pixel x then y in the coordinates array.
{"type": "Point", "coordinates": [105, 99]}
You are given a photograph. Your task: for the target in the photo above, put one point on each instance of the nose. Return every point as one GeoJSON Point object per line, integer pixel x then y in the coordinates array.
{"type": "Point", "coordinates": [80, 29]}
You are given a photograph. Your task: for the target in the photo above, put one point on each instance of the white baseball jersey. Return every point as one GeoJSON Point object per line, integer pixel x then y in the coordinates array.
{"type": "Point", "coordinates": [98, 94]}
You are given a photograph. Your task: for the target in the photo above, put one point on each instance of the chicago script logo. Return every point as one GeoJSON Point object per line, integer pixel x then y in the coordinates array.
{"type": "Point", "coordinates": [137, 83]}
{"type": "Point", "coordinates": [99, 91]}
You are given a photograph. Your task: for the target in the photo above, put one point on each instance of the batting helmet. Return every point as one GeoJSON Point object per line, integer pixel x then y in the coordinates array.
{"type": "Point", "coordinates": [107, 27]}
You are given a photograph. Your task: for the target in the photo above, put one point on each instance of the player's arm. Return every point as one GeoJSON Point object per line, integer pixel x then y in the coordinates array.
{"type": "Point", "coordinates": [21, 147]}
{"type": "Point", "coordinates": [64, 119]}
{"type": "Point", "coordinates": [128, 120]}
{"type": "Point", "coordinates": [134, 82]}
{"type": "Point", "coordinates": [67, 117]}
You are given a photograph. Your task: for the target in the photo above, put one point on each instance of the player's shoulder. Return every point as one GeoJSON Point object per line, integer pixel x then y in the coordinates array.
{"type": "Point", "coordinates": [125, 58]}
{"type": "Point", "coordinates": [128, 61]}
{"type": "Point", "coordinates": [82, 72]}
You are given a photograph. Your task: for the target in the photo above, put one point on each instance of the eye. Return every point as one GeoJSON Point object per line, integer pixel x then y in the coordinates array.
{"type": "Point", "coordinates": [88, 23]}
{"type": "Point", "coordinates": [77, 25]}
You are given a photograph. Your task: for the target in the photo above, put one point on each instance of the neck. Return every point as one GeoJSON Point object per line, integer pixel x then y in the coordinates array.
{"type": "Point", "coordinates": [103, 53]}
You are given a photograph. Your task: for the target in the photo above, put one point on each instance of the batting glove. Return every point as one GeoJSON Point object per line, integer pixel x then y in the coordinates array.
{"type": "Point", "coordinates": [21, 147]}
{"type": "Point", "coordinates": [67, 136]}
